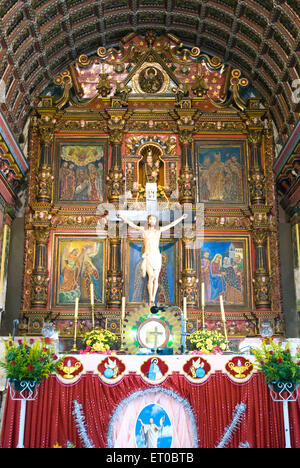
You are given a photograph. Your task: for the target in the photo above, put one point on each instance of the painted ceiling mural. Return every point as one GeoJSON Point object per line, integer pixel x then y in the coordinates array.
{"type": "Point", "coordinates": [40, 38]}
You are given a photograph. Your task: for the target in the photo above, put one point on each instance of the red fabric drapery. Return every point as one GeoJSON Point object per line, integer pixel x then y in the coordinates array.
{"type": "Point", "coordinates": [49, 419]}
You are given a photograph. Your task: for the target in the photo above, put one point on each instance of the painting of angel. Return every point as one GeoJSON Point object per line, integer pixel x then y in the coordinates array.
{"type": "Point", "coordinates": [80, 264]}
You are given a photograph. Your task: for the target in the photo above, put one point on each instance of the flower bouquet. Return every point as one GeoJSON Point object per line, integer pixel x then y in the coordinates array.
{"type": "Point", "coordinates": [207, 342]}
{"type": "Point", "coordinates": [276, 362]}
{"type": "Point", "coordinates": [28, 361]}
{"type": "Point", "coordinates": [99, 341]}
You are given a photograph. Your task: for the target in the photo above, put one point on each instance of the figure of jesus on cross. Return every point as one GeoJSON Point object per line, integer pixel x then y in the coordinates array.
{"type": "Point", "coordinates": [152, 261]}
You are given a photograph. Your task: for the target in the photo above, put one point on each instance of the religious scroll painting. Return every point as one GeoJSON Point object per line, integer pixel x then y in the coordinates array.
{"type": "Point", "coordinates": [222, 172]}
{"type": "Point", "coordinates": [80, 171]}
{"type": "Point", "coordinates": [137, 284]}
{"type": "Point", "coordinates": [225, 270]}
{"type": "Point", "coordinates": [78, 263]}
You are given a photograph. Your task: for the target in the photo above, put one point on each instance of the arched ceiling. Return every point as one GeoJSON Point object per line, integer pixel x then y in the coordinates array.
{"type": "Point", "coordinates": [39, 38]}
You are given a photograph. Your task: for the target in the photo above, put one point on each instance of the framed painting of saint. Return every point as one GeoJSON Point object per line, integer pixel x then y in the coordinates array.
{"type": "Point", "coordinates": [225, 270]}
{"type": "Point", "coordinates": [80, 170]}
{"type": "Point", "coordinates": [137, 285]}
{"type": "Point", "coordinates": [222, 169]}
{"type": "Point", "coordinates": [78, 263]}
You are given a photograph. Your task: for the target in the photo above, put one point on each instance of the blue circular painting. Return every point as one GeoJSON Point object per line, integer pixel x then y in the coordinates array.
{"type": "Point", "coordinates": [153, 428]}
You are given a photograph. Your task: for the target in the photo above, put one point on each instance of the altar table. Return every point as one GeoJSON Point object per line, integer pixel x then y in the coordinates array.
{"type": "Point", "coordinates": [200, 393]}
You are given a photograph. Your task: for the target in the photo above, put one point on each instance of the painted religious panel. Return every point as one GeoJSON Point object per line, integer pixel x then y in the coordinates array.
{"type": "Point", "coordinates": [225, 271]}
{"type": "Point", "coordinates": [78, 263]}
{"type": "Point", "coordinates": [137, 285]}
{"type": "Point", "coordinates": [80, 171]}
{"type": "Point", "coordinates": [222, 172]}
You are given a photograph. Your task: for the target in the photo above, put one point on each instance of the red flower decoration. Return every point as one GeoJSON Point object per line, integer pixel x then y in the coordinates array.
{"type": "Point", "coordinates": [30, 367]}
{"type": "Point", "coordinates": [13, 363]}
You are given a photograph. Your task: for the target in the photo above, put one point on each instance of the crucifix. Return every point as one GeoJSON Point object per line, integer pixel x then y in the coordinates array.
{"type": "Point", "coordinates": [155, 334]}
{"type": "Point", "coordinates": [152, 260]}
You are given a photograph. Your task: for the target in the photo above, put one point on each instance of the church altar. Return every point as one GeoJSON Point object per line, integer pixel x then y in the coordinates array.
{"type": "Point", "coordinates": [199, 394]}
{"type": "Point", "coordinates": [168, 143]}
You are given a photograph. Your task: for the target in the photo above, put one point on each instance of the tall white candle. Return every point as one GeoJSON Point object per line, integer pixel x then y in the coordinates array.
{"type": "Point", "coordinates": [222, 309]}
{"type": "Point", "coordinates": [203, 294]}
{"type": "Point", "coordinates": [76, 308]}
{"type": "Point", "coordinates": [184, 308]}
{"type": "Point", "coordinates": [92, 293]}
{"type": "Point", "coordinates": [123, 307]}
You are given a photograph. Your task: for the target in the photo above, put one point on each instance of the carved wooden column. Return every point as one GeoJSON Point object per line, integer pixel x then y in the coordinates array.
{"type": "Point", "coordinates": [114, 275]}
{"type": "Point", "coordinates": [262, 278]}
{"type": "Point", "coordinates": [116, 178]}
{"type": "Point", "coordinates": [256, 176]}
{"type": "Point", "coordinates": [186, 181]}
{"type": "Point", "coordinates": [45, 175]}
{"type": "Point", "coordinates": [189, 284]}
{"type": "Point", "coordinates": [39, 284]}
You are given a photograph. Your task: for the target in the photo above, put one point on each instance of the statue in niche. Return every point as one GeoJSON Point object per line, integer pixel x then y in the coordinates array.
{"type": "Point", "coordinates": [151, 168]}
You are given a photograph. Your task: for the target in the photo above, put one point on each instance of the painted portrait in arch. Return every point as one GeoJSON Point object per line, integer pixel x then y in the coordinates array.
{"type": "Point", "coordinates": [80, 176]}
{"type": "Point", "coordinates": [225, 271]}
{"type": "Point", "coordinates": [221, 172]}
{"type": "Point", "coordinates": [79, 263]}
{"type": "Point", "coordinates": [137, 285]}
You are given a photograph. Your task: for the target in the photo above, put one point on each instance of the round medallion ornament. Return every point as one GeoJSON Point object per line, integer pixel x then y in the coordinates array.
{"type": "Point", "coordinates": [151, 79]}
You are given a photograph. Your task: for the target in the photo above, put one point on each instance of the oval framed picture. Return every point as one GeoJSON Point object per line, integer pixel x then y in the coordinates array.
{"type": "Point", "coordinates": [153, 428]}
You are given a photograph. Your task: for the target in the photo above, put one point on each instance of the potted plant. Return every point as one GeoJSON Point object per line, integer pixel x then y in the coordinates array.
{"type": "Point", "coordinates": [278, 364]}
{"type": "Point", "coordinates": [99, 341]}
{"type": "Point", "coordinates": [30, 361]}
{"type": "Point", "coordinates": [207, 342]}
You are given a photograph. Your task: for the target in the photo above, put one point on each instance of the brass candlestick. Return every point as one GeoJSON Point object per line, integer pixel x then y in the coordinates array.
{"type": "Point", "coordinates": [203, 318]}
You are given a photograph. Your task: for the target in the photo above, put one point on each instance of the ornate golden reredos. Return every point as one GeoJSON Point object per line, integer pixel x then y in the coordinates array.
{"type": "Point", "coordinates": [148, 66]}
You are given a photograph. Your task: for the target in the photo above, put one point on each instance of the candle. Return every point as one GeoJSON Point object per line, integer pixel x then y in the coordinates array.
{"type": "Point", "coordinates": [123, 307]}
{"type": "Point", "coordinates": [184, 309]}
{"type": "Point", "coordinates": [203, 294]}
{"type": "Point", "coordinates": [92, 293]}
{"type": "Point", "coordinates": [222, 309]}
{"type": "Point", "coordinates": [76, 308]}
